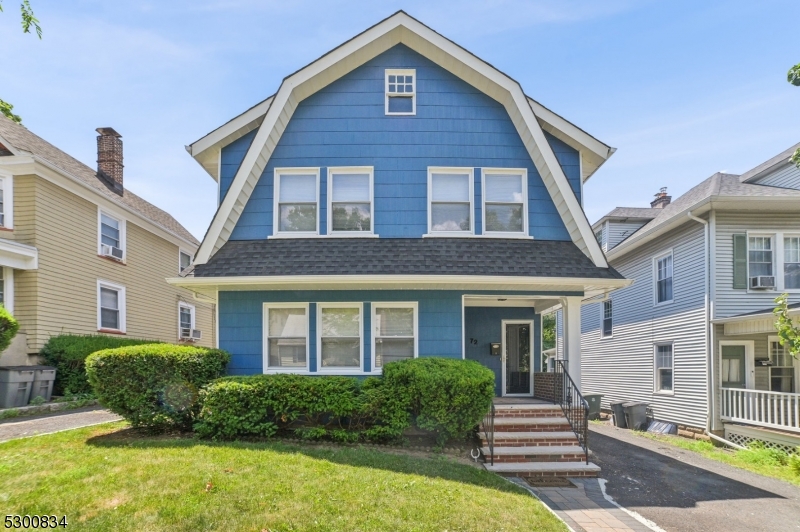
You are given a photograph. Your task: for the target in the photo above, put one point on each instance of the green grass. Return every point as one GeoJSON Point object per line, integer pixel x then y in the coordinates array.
{"type": "Point", "coordinates": [110, 478]}
{"type": "Point", "coordinates": [767, 462]}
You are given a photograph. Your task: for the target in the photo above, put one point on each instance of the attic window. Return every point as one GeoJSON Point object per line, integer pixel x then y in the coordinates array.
{"type": "Point", "coordinates": [401, 92]}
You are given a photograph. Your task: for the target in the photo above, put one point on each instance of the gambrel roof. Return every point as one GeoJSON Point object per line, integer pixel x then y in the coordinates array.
{"type": "Point", "coordinates": [399, 28]}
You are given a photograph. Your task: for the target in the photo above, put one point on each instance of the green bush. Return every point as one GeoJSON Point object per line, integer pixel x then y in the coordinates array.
{"type": "Point", "coordinates": [447, 396]}
{"type": "Point", "coordinates": [68, 352]}
{"type": "Point", "coordinates": [8, 328]}
{"type": "Point", "coordinates": [338, 408]}
{"type": "Point", "coordinates": [154, 385]}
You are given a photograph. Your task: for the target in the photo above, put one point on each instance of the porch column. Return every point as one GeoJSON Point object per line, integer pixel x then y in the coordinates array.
{"type": "Point", "coordinates": [572, 337]}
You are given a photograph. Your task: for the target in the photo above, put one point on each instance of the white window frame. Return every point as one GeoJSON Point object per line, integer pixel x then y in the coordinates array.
{"type": "Point", "coordinates": [387, 94]}
{"type": "Point", "coordinates": [523, 173]}
{"type": "Point", "coordinates": [121, 299]}
{"type": "Point", "coordinates": [276, 215]}
{"type": "Point", "coordinates": [341, 370]}
{"type": "Point", "coordinates": [778, 260]}
{"type": "Point", "coordinates": [452, 170]}
{"type": "Point", "coordinates": [795, 365]}
{"type": "Point", "coordinates": [192, 309]}
{"type": "Point", "coordinates": [749, 361]}
{"type": "Point", "coordinates": [7, 185]}
{"type": "Point", "coordinates": [352, 170]}
{"type": "Point", "coordinates": [780, 265]}
{"type": "Point", "coordinates": [123, 225]}
{"type": "Point", "coordinates": [656, 302]}
{"type": "Point", "coordinates": [265, 341]}
{"type": "Point", "coordinates": [183, 252]}
{"type": "Point", "coordinates": [656, 378]}
{"type": "Point", "coordinates": [373, 321]}
{"type": "Point", "coordinates": [603, 317]}
{"type": "Point", "coordinates": [8, 288]}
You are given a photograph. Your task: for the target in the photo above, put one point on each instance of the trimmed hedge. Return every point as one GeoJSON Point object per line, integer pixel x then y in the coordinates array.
{"type": "Point", "coordinates": [8, 328]}
{"type": "Point", "coordinates": [445, 396]}
{"type": "Point", "coordinates": [68, 352]}
{"type": "Point", "coordinates": [154, 385]}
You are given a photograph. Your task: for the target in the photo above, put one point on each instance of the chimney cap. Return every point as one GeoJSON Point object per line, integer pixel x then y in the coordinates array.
{"type": "Point", "coordinates": [108, 131]}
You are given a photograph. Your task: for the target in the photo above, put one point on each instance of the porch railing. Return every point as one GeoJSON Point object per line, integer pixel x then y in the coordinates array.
{"type": "Point", "coordinates": [775, 410]}
{"type": "Point", "coordinates": [576, 409]}
{"type": "Point", "coordinates": [488, 431]}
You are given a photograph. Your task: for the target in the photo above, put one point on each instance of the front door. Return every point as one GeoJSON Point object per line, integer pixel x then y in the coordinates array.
{"type": "Point", "coordinates": [733, 366]}
{"type": "Point", "coordinates": [517, 358]}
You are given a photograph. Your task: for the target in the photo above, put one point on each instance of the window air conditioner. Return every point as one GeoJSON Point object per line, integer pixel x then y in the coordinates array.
{"type": "Point", "coordinates": [111, 251]}
{"type": "Point", "coordinates": [190, 334]}
{"type": "Point", "coordinates": [762, 282]}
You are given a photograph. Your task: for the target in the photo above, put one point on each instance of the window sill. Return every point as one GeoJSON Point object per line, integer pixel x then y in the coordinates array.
{"type": "Point", "coordinates": [664, 303]}
{"type": "Point", "coordinates": [664, 393]}
{"type": "Point", "coordinates": [295, 235]}
{"type": "Point", "coordinates": [505, 235]}
{"type": "Point", "coordinates": [9, 229]}
{"type": "Point", "coordinates": [463, 234]}
{"type": "Point", "coordinates": [298, 371]}
{"type": "Point", "coordinates": [341, 371]}
{"type": "Point", "coordinates": [399, 114]}
{"type": "Point", "coordinates": [351, 234]}
{"type": "Point", "coordinates": [111, 331]}
{"type": "Point", "coordinates": [111, 259]}
{"type": "Point", "coordinates": [609, 337]}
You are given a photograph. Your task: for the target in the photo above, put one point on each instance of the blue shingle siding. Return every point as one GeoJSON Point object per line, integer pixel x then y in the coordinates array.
{"type": "Point", "coordinates": [440, 325]}
{"type": "Point", "coordinates": [232, 156]}
{"type": "Point", "coordinates": [344, 125]}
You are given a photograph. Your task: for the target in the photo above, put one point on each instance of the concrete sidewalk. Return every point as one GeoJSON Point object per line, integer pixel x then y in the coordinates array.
{"type": "Point", "coordinates": [24, 427]}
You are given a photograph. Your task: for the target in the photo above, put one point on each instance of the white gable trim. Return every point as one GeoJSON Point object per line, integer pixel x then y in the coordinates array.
{"type": "Point", "coordinates": [352, 54]}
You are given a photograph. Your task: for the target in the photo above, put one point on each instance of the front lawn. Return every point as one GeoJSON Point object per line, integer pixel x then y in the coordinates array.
{"type": "Point", "coordinates": [109, 478]}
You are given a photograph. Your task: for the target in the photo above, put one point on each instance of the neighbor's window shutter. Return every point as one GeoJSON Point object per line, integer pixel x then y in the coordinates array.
{"type": "Point", "coordinates": [740, 261]}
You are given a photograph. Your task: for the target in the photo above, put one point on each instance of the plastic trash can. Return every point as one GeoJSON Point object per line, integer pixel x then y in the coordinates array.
{"type": "Point", "coordinates": [594, 404]}
{"type": "Point", "coordinates": [15, 386]}
{"type": "Point", "coordinates": [619, 414]}
{"type": "Point", "coordinates": [43, 378]}
{"type": "Point", "coordinates": [635, 415]}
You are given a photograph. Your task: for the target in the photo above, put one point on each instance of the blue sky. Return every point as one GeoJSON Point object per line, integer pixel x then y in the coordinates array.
{"type": "Point", "coordinates": [682, 89]}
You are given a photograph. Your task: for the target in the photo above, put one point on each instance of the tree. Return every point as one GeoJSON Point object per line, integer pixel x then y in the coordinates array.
{"type": "Point", "coordinates": [548, 332]}
{"type": "Point", "coordinates": [793, 77]}
{"type": "Point", "coordinates": [788, 329]}
{"type": "Point", "coordinates": [28, 21]}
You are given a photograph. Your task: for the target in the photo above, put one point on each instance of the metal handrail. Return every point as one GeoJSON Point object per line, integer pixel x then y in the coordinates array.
{"type": "Point", "coordinates": [574, 406]}
{"type": "Point", "coordinates": [490, 434]}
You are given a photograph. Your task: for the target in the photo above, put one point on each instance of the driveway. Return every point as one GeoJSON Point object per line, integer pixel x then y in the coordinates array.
{"type": "Point", "coordinates": [682, 491]}
{"type": "Point", "coordinates": [23, 427]}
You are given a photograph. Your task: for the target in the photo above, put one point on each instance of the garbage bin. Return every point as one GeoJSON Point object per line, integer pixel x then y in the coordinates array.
{"type": "Point", "coordinates": [619, 414]}
{"type": "Point", "coordinates": [43, 377]}
{"type": "Point", "coordinates": [635, 415]}
{"type": "Point", "coordinates": [594, 404]}
{"type": "Point", "coordinates": [15, 386]}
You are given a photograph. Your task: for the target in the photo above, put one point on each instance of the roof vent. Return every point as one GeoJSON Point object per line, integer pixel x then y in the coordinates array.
{"type": "Point", "coordinates": [109, 158]}
{"type": "Point", "coordinates": [662, 200]}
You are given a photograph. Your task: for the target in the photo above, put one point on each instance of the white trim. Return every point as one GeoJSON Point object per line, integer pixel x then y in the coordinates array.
{"type": "Point", "coordinates": [400, 28]}
{"type": "Point", "coordinates": [603, 318]}
{"type": "Point", "coordinates": [192, 309]}
{"type": "Point", "coordinates": [656, 389]}
{"type": "Point", "coordinates": [777, 237]}
{"type": "Point", "coordinates": [749, 361]}
{"type": "Point", "coordinates": [216, 320]}
{"type": "Point", "coordinates": [276, 215]}
{"type": "Point", "coordinates": [182, 251]}
{"type": "Point", "coordinates": [471, 178]}
{"type": "Point", "coordinates": [795, 366]}
{"type": "Point", "coordinates": [121, 301]}
{"type": "Point", "coordinates": [351, 170]}
{"type": "Point", "coordinates": [523, 173]}
{"type": "Point", "coordinates": [503, 355]}
{"type": "Point", "coordinates": [8, 288]}
{"type": "Point", "coordinates": [7, 186]}
{"type": "Point", "coordinates": [122, 230]}
{"type": "Point", "coordinates": [18, 256]}
{"type": "Point", "coordinates": [400, 72]}
{"type": "Point", "coordinates": [656, 259]}
{"type": "Point", "coordinates": [265, 338]}
{"type": "Point", "coordinates": [341, 370]}
{"type": "Point", "coordinates": [374, 333]}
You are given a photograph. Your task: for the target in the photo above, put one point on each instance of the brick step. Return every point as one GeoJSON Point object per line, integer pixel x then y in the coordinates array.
{"type": "Point", "coordinates": [550, 412]}
{"type": "Point", "coordinates": [545, 469]}
{"type": "Point", "coordinates": [554, 453]}
{"type": "Point", "coordinates": [531, 439]}
{"type": "Point", "coordinates": [529, 424]}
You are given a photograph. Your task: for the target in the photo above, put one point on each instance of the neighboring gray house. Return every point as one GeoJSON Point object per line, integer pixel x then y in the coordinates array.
{"type": "Point", "coordinates": [694, 335]}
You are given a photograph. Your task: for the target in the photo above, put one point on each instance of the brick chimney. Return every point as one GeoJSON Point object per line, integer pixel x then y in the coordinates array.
{"type": "Point", "coordinates": [662, 200]}
{"type": "Point", "coordinates": [109, 158]}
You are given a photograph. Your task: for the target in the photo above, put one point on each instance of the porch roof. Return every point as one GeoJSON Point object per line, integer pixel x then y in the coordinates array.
{"type": "Point", "coordinates": [794, 308]}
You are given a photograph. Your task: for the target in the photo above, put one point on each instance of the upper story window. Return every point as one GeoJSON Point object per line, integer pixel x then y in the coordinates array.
{"type": "Point", "coordinates": [759, 256]}
{"type": "Point", "coordinates": [505, 205]}
{"type": "Point", "coordinates": [450, 201]}
{"type": "Point", "coordinates": [664, 368]}
{"type": "Point", "coordinates": [184, 260]}
{"type": "Point", "coordinates": [350, 201]}
{"type": "Point", "coordinates": [286, 338]}
{"type": "Point", "coordinates": [110, 306]}
{"type": "Point", "coordinates": [297, 201]}
{"type": "Point", "coordinates": [608, 323]}
{"type": "Point", "coordinates": [401, 92]}
{"type": "Point", "coordinates": [791, 262]}
{"type": "Point", "coordinates": [111, 231]}
{"type": "Point", "coordinates": [663, 278]}
{"type": "Point", "coordinates": [6, 202]}
{"type": "Point", "coordinates": [766, 261]}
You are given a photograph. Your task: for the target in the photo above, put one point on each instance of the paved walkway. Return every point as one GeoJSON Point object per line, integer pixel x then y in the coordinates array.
{"type": "Point", "coordinates": [682, 491]}
{"type": "Point", "coordinates": [23, 427]}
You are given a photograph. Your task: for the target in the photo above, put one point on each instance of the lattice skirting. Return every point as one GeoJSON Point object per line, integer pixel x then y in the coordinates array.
{"type": "Point", "coordinates": [745, 436]}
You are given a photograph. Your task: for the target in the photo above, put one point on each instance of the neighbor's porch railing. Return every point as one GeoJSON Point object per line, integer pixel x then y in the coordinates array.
{"type": "Point", "coordinates": [766, 409]}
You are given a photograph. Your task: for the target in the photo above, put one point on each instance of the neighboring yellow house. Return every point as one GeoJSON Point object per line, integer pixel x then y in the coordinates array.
{"type": "Point", "coordinates": [81, 254]}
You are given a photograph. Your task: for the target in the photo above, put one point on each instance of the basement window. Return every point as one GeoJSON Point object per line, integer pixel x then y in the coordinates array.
{"type": "Point", "coordinates": [401, 95]}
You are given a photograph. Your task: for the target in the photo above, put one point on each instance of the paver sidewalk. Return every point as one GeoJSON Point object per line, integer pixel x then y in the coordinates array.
{"type": "Point", "coordinates": [24, 427]}
{"type": "Point", "coordinates": [584, 508]}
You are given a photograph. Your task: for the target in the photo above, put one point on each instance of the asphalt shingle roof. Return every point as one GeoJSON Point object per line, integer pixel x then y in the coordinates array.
{"type": "Point", "coordinates": [633, 212]}
{"type": "Point", "coordinates": [402, 256]}
{"type": "Point", "coordinates": [20, 138]}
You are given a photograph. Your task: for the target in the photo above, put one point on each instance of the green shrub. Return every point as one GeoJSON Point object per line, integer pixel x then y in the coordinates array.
{"type": "Point", "coordinates": [68, 352]}
{"type": "Point", "coordinates": [8, 328]}
{"type": "Point", "coordinates": [154, 385]}
{"type": "Point", "coordinates": [794, 461]}
{"type": "Point", "coordinates": [446, 396]}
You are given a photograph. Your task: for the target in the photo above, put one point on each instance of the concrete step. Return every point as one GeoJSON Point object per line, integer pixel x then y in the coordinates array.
{"type": "Point", "coordinates": [551, 453]}
{"type": "Point", "coordinates": [531, 439]}
{"type": "Point", "coordinates": [545, 469]}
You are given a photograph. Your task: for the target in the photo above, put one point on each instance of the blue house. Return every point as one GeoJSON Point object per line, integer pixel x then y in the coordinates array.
{"type": "Point", "coordinates": [396, 198]}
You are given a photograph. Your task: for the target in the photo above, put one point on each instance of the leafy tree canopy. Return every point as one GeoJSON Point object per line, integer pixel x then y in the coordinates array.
{"type": "Point", "coordinates": [29, 20]}
{"type": "Point", "coordinates": [788, 329]}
